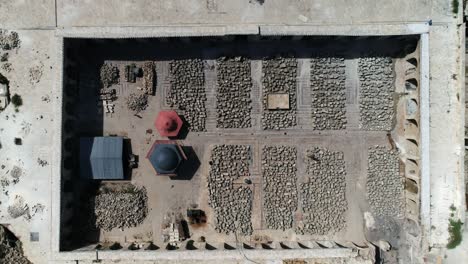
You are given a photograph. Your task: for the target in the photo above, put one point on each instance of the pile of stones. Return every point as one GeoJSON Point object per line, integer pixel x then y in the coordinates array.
{"type": "Point", "coordinates": [11, 251]}
{"type": "Point", "coordinates": [9, 40]}
{"type": "Point", "coordinates": [120, 209]}
{"type": "Point", "coordinates": [232, 205]}
{"type": "Point", "coordinates": [323, 196]}
{"type": "Point", "coordinates": [187, 91]}
{"type": "Point", "coordinates": [328, 90]}
{"type": "Point", "coordinates": [109, 75]}
{"type": "Point", "coordinates": [233, 93]}
{"type": "Point", "coordinates": [279, 76]}
{"type": "Point", "coordinates": [148, 77]}
{"type": "Point", "coordinates": [137, 102]}
{"type": "Point", "coordinates": [376, 106]}
{"type": "Point", "coordinates": [279, 186]}
{"type": "Point", "coordinates": [385, 184]}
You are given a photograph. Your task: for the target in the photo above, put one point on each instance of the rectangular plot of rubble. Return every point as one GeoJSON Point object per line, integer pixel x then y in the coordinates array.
{"type": "Point", "coordinates": [385, 185]}
{"type": "Point", "coordinates": [323, 196]}
{"type": "Point", "coordinates": [376, 103]}
{"type": "Point", "coordinates": [279, 76]}
{"type": "Point", "coordinates": [187, 91]}
{"type": "Point", "coordinates": [233, 103]}
{"type": "Point", "coordinates": [232, 206]}
{"type": "Point", "coordinates": [279, 186]}
{"type": "Point", "coordinates": [328, 92]}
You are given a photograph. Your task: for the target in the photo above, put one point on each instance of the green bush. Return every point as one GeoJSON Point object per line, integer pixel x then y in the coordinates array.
{"type": "Point", "coordinates": [16, 100]}
{"type": "Point", "coordinates": [455, 4]}
{"type": "Point", "coordinates": [455, 230]}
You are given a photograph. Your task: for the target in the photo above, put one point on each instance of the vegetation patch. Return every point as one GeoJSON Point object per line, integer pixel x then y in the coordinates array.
{"type": "Point", "coordinates": [455, 5]}
{"type": "Point", "coordinates": [17, 101]}
{"type": "Point", "coordinates": [455, 231]}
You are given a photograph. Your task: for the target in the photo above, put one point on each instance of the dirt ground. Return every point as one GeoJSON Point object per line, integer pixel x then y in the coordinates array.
{"type": "Point", "coordinates": [166, 196]}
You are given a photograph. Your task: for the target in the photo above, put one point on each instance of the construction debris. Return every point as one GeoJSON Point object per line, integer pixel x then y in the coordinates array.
{"type": "Point", "coordinates": [131, 73]}
{"type": "Point", "coordinates": [19, 208]}
{"type": "Point", "coordinates": [120, 209]}
{"type": "Point", "coordinates": [137, 102]}
{"type": "Point", "coordinates": [11, 249]}
{"type": "Point", "coordinates": [109, 75]}
{"type": "Point", "coordinates": [149, 76]}
{"type": "Point", "coordinates": [9, 41]}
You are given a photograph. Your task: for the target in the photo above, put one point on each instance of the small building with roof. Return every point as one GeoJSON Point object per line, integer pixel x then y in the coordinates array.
{"type": "Point", "coordinates": [101, 158]}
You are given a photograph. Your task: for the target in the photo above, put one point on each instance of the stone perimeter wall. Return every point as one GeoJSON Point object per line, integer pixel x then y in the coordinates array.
{"type": "Point", "coordinates": [403, 29]}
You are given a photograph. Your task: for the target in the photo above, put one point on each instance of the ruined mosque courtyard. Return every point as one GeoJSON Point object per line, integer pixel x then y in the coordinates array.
{"type": "Point", "coordinates": [282, 142]}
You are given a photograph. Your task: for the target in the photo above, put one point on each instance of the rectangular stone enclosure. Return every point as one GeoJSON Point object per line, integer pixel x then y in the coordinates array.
{"type": "Point", "coordinates": [289, 139]}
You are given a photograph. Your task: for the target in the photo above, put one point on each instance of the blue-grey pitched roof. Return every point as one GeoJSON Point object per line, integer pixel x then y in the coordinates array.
{"type": "Point", "coordinates": [101, 158]}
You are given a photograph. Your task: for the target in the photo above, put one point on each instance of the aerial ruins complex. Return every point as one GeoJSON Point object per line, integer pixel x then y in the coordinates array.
{"type": "Point", "coordinates": [286, 144]}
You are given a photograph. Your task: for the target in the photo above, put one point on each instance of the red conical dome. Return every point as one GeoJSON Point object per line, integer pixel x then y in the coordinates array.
{"type": "Point", "coordinates": [168, 123]}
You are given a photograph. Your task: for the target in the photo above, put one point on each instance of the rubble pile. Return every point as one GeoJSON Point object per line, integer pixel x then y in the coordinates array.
{"type": "Point", "coordinates": [11, 251]}
{"type": "Point", "coordinates": [323, 196]}
{"type": "Point", "coordinates": [327, 83]}
{"type": "Point", "coordinates": [148, 77]}
{"type": "Point", "coordinates": [279, 186]}
{"type": "Point", "coordinates": [137, 102]}
{"type": "Point", "coordinates": [9, 41]}
{"type": "Point", "coordinates": [279, 76]}
{"type": "Point", "coordinates": [120, 209]}
{"type": "Point", "coordinates": [376, 107]}
{"type": "Point", "coordinates": [233, 93]}
{"type": "Point", "coordinates": [187, 91]}
{"type": "Point", "coordinates": [109, 75]}
{"type": "Point", "coordinates": [232, 205]}
{"type": "Point", "coordinates": [385, 184]}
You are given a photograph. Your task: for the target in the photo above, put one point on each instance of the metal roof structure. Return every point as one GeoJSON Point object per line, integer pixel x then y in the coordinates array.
{"type": "Point", "coordinates": [101, 158]}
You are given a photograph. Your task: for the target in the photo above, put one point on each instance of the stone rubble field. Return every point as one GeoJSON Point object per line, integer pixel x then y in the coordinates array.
{"type": "Point", "coordinates": [187, 92]}
{"type": "Point", "coordinates": [323, 196]}
{"type": "Point", "coordinates": [279, 186]}
{"type": "Point", "coordinates": [232, 206]}
{"type": "Point", "coordinates": [385, 185]}
{"type": "Point", "coordinates": [377, 93]}
{"type": "Point", "coordinates": [233, 93]}
{"type": "Point", "coordinates": [328, 92]}
{"type": "Point", "coordinates": [279, 76]}
{"type": "Point", "coordinates": [11, 251]}
{"type": "Point", "coordinates": [120, 209]}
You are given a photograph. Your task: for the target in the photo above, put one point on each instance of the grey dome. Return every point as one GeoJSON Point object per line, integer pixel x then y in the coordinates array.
{"type": "Point", "coordinates": [166, 158]}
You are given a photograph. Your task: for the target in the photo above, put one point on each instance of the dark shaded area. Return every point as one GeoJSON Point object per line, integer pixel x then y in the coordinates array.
{"type": "Point", "coordinates": [228, 247]}
{"type": "Point", "coordinates": [185, 229]}
{"type": "Point", "coordinates": [209, 247]}
{"type": "Point", "coordinates": [190, 245]}
{"type": "Point", "coordinates": [183, 131]}
{"type": "Point", "coordinates": [189, 167]}
{"type": "Point", "coordinates": [253, 47]}
{"type": "Point", "coordinates": [151, 246]}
